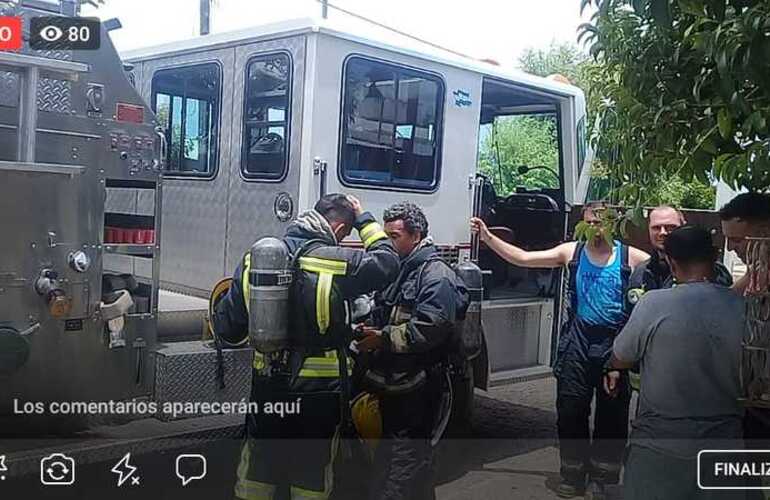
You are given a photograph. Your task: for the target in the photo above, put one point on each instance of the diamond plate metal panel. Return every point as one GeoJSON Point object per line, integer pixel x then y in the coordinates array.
{"type": "Point", "coordinates": [54, 96]}
{"type": "Point", "coordinates": [208, 224]}
{"type": "Point", "coordinates": [186, 372]}
{"type": "Point", "coordinates": [195, 210]}
{"type": "Point", "coordinates": [9, 89]}
{"type": "Point", "coordinates": [250, 204]}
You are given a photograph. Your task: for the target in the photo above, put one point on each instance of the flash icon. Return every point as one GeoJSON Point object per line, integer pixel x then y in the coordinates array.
{"type": "Point", "coordinates": [125, 471]}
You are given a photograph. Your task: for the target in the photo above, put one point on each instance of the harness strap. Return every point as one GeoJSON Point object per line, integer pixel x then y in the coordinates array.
{"type": "Point", "coordinates": [326, 269]}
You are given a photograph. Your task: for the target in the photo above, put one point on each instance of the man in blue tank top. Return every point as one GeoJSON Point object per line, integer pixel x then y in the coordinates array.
{"type": "Point", "coordinates": [596, 312]}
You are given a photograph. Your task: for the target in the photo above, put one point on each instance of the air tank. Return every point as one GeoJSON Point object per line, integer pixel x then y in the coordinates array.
{"type": "Point", "coordinates": [269, 286]}
{"type": "Point", "coordinates": [471, 333]}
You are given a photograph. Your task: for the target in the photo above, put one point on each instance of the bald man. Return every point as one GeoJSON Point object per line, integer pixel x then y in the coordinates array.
{"type": "Point", "coordinates": [655, 273]}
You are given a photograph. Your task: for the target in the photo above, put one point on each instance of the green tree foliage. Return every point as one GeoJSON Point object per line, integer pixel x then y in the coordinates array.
{"type": "Point", "coordinates": [514, 141]}
{"type": "Point", "coordinates": [678, 193]}
{"type": "Point", "coordinates": [529, 140]}
{"type": "Point", "coordinates": [559, 58]}
{"type": "Point", "coordinates": [568, 60]}
{"type": "Point", "coordinates": [611, 225]}
{"type": "Point", "coordinates": [669, 190]}
{"type": "Point", "coordinates": [681, 89]}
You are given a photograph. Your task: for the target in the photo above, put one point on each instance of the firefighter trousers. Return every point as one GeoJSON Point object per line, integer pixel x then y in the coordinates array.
{"type": "Point", "coordinates": [404, 467]}
{"type": "Point", "coordinates": [290, 455]}
{"type": "Point", "coordinates": [583, 352]}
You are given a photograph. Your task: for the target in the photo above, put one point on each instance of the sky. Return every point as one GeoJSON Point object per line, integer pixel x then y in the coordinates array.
{"type": "Point", "coordinates": [486, 29]}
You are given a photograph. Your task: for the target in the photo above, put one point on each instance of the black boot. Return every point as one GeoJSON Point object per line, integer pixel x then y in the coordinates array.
{"type": "Point", "coordinates": [595, 491]}
{"type": "Point", "coordinates": [567, 489]}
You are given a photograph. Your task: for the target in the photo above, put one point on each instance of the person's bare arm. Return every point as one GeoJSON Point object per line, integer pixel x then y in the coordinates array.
{"type": "Point", "coordinates": [554, 257]}
{"type": "Point", "coordinates": [636, 257]}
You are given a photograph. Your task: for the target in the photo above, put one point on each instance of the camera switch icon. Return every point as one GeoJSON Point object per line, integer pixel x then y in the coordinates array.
{"type": "Point", "coordinates": [57, 469]}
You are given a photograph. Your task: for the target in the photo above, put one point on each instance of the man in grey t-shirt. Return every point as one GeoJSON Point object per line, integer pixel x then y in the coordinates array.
{"type": "Point", "coordinates": [688, 340]}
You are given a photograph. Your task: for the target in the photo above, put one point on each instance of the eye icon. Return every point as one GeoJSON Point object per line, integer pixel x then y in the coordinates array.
{"type": "Point", "coordinates": [51, 33]}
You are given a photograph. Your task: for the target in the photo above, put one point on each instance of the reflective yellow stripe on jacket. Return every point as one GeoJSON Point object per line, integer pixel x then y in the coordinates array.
{"type": "Point", "coordinates": [326, 270]}
{"type": "Point", "coordinates": [245, 279]}
{"type": "Point", "coordinates": [370, 233]}
{"type": "Point", "coordinates": [314, 367]}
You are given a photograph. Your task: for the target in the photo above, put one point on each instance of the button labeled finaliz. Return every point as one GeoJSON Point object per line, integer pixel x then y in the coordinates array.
{"type": "Point", "coordinates": [733, 469]}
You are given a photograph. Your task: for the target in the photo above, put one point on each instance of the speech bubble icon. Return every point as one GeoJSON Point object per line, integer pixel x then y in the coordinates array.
{"type": "Point", "coordinates": [190, 467]}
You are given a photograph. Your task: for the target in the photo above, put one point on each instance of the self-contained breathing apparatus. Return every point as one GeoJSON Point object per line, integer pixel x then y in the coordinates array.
{"type": "Point", "coordinates": [274, 329]}
{"type": "Point", "coordinates": [465, 344]}
{"type": "Point", "coordinates": [271, 281]}
{"type": "Point", "coordinates": [470, 331]}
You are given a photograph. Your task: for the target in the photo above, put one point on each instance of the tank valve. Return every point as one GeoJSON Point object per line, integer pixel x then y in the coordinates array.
{"type": "Point", "coordinates": [79, 261]}
{"type": "Point", "coordinates": [47, 285]}
{"type": "Point", "coordinates": [114, 314]}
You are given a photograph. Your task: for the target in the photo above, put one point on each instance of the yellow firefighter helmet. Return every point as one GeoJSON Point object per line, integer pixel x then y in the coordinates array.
{"type": "Point", "coordinates": [219, 291]}
{"type": "Point", "coordinates": [368, 420]}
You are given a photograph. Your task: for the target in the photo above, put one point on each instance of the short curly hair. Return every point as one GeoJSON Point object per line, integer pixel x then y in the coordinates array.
{"type": "Point", "coordinates": [413, 217]}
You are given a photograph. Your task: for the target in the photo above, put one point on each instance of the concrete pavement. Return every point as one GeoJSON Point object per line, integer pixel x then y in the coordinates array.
{"type": "Point", "coordinates": [511, 449]}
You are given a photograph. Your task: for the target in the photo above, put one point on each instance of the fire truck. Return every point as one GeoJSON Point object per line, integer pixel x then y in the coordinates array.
{"type": "Point", "coordinates": [132, 183]}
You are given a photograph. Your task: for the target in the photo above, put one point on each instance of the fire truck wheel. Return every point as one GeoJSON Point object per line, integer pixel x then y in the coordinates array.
{"type": "Point", "coordinates": [462, 407]}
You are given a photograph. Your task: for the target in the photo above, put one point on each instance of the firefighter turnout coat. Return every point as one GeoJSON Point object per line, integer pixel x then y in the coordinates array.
{"type": "Point", "coordinates": [295, 451]}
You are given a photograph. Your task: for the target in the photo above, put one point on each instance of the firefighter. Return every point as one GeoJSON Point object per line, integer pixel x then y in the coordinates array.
{"type": "Point", "coordinates": [655, 273]}
{"type": "Point", "coordinates": [596, 311]}
{"type": "Point", "coordinates": [411, 344]}
{"type": "Point", "coordinates": [291, 454]}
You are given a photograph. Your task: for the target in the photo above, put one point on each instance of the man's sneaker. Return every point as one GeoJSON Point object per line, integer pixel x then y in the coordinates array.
{"type": "Point", "coordinates": [568, 490]}
{"type": "Point", "coordinates": [595, 491]}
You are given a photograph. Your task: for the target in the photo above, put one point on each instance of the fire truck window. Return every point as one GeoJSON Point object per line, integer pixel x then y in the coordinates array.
{"type": "Point", "coordinates": [391, 126]}
{"type": "Point", "coordinates": [186, 101]}
{"type": "Point", "coordinates": [266, 117]}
